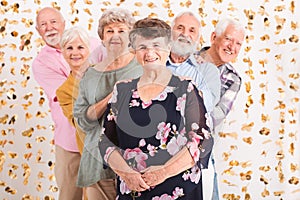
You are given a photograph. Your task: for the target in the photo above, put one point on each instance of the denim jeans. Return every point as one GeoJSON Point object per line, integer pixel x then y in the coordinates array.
{"type": "Point", "coordinates": [215, 194]}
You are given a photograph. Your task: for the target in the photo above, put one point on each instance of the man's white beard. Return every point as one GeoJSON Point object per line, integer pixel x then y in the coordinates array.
{"type": "Point", "coordinates": [52, 41]}
{"type": "Point", "coordinates": [182, 48]}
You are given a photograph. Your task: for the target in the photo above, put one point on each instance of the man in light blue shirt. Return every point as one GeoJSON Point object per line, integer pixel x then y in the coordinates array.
{"type": "Point", "coordinates": [182, 62]}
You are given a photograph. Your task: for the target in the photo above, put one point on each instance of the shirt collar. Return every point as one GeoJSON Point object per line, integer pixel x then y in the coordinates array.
{"type": "Point", "coordinates": [51, 49]}
{"type": "Point", "coordinates": [191, 60]}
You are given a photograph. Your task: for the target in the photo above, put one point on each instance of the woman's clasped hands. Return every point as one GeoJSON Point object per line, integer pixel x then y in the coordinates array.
{"type": "Point", "coordinates": [141, 181]}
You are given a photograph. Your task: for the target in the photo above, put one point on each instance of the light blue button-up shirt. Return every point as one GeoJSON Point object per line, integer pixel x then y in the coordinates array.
{"type": "Point", "coordinates": [206, 76]}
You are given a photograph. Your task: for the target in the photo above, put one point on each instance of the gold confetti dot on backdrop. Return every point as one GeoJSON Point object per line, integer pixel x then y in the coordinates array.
{"type": "Point", "coordinates": [280, 155]}
{"type": "Point", "coordinates": [87, 11]}
{"type": "Point", "coordinates": [27, 22]}
{"type": "Point", "coordinates": [152, 15]}
{"type": "Point", "coordinates": [233, 135]}
{"type": "Point", "coordinates": [231, 196]}
{"type": "Point", "coordinates": [229, 171]}
{"type": "Point", "coordinates": [294, 87]}
{"type": "Point", "coordinates": [231, 7]}
{"type": "Point", "coordinates": [14, 33]}
{"type": "Point", "coordinates": [13, 119]}
{"type": "Point", "coordinates": [278, 193]}
{"type": "Point", "coordinates": [279, 8]}
{"type": "Point", "coordinates": [226, 156]}
{"type": "Point", "coordinates": [280, 106]}
{"type": "Point", "coordinates": [245, 164]}
{"type": "Point", "coordinates": [4, 3]}
{"type": "Point", "coordinates": [3, 120]}
{"type": "Point", "coordinates": [106, 3]}
{"type": "Point", "coordinates": [247, 127]}
{"type": "Point", "coordinates": [88, 2]}
{"type": "Point", "coordinates": [40, 139]}
{"type": "Point", "coordinates": [265, 168]}
{"type": "Point", "coordinates": [250, 72]}
{"type": "Point", "coordinates": [248, 140]}
{"type": "Point", "coordinates": [28, 132]}
{"type": "Point", "coordinates": [25, 106]}
{"type": "Point", "coordinates": [151, 5]}
{"type": "Point", "coordinates": [249, 101]}
{"type": "Point", "coordinates": [248, 86]}
{"type": "Point", "coordinates": [24, 82]}
{"type": "Point", "coordinates": [294, 25]}
{"type": "Point", "coordinates": [246, 176]}
{"type": "Point", "coordinates": [26, 173]}
{"type": "Point", "coordinates": [266, 23]}
{"type": "Point", "coordinates": [265, 118]}
{"type": "Point", "coordinates": [294, 38]}
{"type": "Point", "coordinates": [264, 131]}
{"type": "Point", "coordinates": [166, 4]}
{"type": "Point", "coordinates": [40, 114]}
{"type": "Point", "coordinates": [28, 95]}
{"type": "Point", "coordinates": [12, 154]}
{"type": "Point", "coordinates": [294, 180]}
{"type": "Point", "coordinates": [53, 188]}
{"type": "Point", "coordinates": [27, 156]}
{"type": "Point", "coordinates": [234, 163]}
{"type": "Point", "coordinates": [294, 167]}
{"type": "Point", "coordinates": [10, 190]}
{"type": "Point", "coordinates": [170, 13]}
{"type": "Point", "coordinates": [264, 180]}
{"type": "Point", "coordinates": [247, 48]}
{"type": "Point", "coordinates": [262, 99]}
{"type": "Point", "coordinates": [247, 196]}
{"type": "Point", "coordinates": [28, 146]}
{"type": "Point", "coordinates": [265, 193]}
{"type": "Point", "coordinates": [292, 148]}
{"type": "Point", "coordinates": [39, 187]}
{"type": "Point", "coordinates": [27, 197]}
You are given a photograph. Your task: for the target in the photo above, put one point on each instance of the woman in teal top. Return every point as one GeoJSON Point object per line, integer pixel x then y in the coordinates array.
{"type": "Point", "coordinates": [94, 91]}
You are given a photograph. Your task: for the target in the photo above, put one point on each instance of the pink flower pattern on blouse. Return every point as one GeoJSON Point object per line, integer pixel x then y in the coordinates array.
{"type": "Point", "coordinates": [123, 187]}
{"type": "Point", "coordinates": [163, 132]}
{"type": "Point", "coordinates": [137, 156]}
{"type": "Point", "coordinates": [176, 144]}
{"type": "Point", "coordinates": [168, 138]}
{"type": "Point", "coordinates": [181, 104]}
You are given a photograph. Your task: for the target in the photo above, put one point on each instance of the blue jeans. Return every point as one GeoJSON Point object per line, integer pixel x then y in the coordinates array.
{"type": "Point", "coordinates": [215, 194]}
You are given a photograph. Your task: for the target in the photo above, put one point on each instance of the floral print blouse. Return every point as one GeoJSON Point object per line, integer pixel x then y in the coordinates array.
{"type": "Point", "coordinates": [150, 133]}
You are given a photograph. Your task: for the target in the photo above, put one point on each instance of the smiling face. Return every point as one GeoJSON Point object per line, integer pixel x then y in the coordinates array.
{"type": "Point", "coordinates": [75, 53]}
{"type": "Point", "coordinates": [115, 37]}
{"type": "Point", "coordinates": [227, 45]}
{"type": "Point", "coordinates": [185, 35]}
{"type": "Point", "coordinates": [50, 25]}
{"type": "Point", "coordinates": [151, 53]}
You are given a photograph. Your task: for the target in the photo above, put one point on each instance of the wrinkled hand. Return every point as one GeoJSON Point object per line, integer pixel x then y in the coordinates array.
{"type": "Point", "coordinates": [154, 175]}
{"type": "Point", "coordinates": [134, 181]}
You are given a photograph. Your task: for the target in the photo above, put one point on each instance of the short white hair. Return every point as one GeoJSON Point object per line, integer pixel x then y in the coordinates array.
{"type": "Point", "coordinates": [73, 33]}
{"type": "Point", "coordinates": [225, 22]}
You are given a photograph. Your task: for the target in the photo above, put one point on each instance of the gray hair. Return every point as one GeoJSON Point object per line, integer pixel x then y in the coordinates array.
{"type": "Point", "coordinates": [225, 22]}
{"type": "Point", "coordinates": [115, 15]}
{"type": "Point", "coordinates": [187, 13]}
{"type": "Point", "coordinates": [73, 33]}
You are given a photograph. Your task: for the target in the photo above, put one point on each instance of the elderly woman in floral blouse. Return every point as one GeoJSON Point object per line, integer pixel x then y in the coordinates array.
{"type": "Point", "coordinates": [155, 135]}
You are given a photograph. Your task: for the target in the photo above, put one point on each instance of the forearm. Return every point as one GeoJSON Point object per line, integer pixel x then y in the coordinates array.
{"type": "Point", "coordinates": [117, 163]}
{"type": "Point", "coordinates": [95, 111]}
{"type": "Point", "coordinates": [179, 163]}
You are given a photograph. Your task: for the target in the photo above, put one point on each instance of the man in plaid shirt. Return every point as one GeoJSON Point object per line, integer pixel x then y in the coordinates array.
{"type": "Point", "coordinates": [226, 42]}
